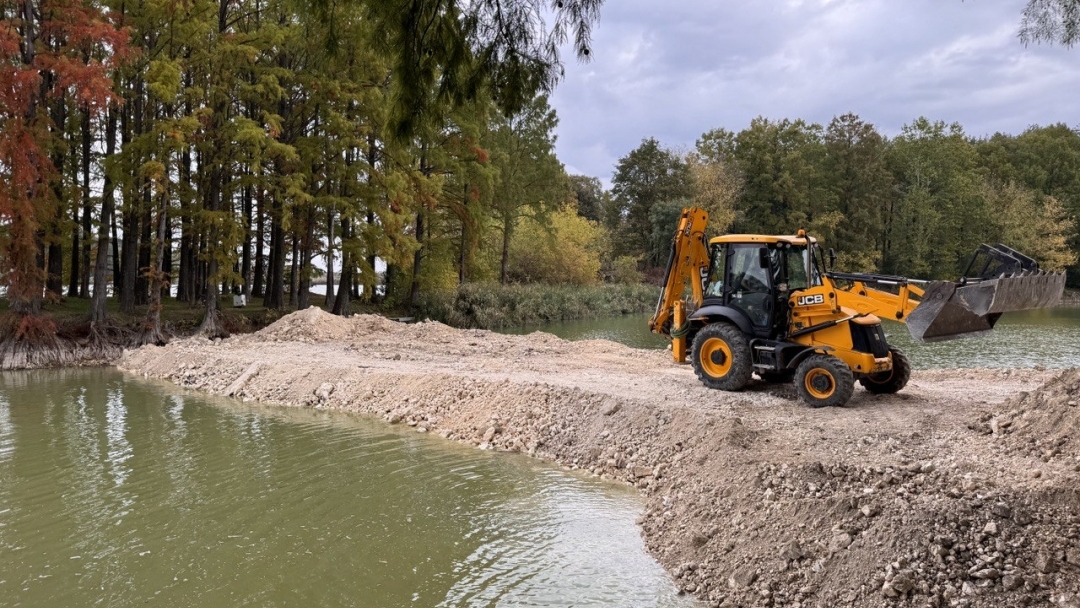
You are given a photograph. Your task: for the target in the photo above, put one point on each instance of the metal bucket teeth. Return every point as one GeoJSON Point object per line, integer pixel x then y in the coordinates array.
{"type": "Point", "coordinates": [951, 310]}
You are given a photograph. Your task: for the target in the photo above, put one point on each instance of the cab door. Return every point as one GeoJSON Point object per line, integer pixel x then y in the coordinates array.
{"type": "Point", "coordinates": [750, 286]}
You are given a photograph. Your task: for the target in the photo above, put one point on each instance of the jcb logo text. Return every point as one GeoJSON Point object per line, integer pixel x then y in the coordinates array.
{"type": "Point", "coordinates": [809, 300]}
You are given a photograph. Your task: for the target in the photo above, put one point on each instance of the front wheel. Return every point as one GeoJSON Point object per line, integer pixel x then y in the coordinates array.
{"type": "Point", "coordinates": [824, 380]}
{"type": "Point", "coordinates": [721, 357]}
{"type": "Point", "coordinates": [883, 383]}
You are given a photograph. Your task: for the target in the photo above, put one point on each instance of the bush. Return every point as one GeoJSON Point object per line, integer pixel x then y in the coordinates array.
{"type": "Point", "coordinates": [493, 306]}
{"type": "Point", "coordinates": [625, 270]}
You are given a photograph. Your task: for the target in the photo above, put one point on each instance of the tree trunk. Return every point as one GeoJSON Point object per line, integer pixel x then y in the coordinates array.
{"type": "Point", "coordinates": [418, 258]}
{"type": "Point", "coordinates": [307, 245]}
{"type": "Point", "coordinates": [504, 265]}
{"type": "Point", "coordinates": [341, 302]}
{"type": "Point", "coordinates": [97, 306]}
{"type": "Point", "coordinates": [293, 270]}
{"type": "Point", "coordinates": [152, 333]}
{"type": "Point", "coordinates": [276, 284]}
{"type": "Point", "coordinates": [245, 256]}
{"type": "Point", "coordinates": [87, 220]}
{"type": "Point", "coordinates": [329, 300]}
{"type": "Point", "coordinates": [260, 231]}
{"type": "Point", "coordinates": [130, 244]}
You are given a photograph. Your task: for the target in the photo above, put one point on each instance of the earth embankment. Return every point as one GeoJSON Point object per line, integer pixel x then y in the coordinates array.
{"type": "Point", "coordinates": [962, 490]}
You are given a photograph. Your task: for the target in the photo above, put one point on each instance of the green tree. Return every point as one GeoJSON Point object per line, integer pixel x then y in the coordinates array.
{"type": "Point", "coordinates": [590, 196]}
{"type": "Point", "coordinates": [648, 175]}
{"type": "Point", "coordinates": [860, 184]}
{"type": "Point", "coordinates": [785, 187]}
{"type": "Point", "coordinates": [937, 218]}
{"type": "Point", "coordinates": [530, 180]}
{"type": "Point", "coordinates": [453, 50]}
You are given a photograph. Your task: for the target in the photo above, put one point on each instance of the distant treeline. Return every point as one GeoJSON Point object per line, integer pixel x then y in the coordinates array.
{"type": "Point", "coordinates": [917, 204]}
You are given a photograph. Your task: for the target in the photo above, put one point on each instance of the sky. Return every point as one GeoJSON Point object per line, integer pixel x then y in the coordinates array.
{"type": "Point", "coordinates": [678, 68]}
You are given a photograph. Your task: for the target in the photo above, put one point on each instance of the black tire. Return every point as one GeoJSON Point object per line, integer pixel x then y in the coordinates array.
{"type": "Point", "coordinates": [721, 357]}
{"type": "Point", "coordinates": [824, 381]}
{"type": "Point", "coordinates": [892, 381]}
{"type": "Point", "coordinates": [782, 377]}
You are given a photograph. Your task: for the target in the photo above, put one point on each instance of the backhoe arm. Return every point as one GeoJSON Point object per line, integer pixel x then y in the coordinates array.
{"type": "Point", "coordinates": [688, 262]}
{"type": "Point", "coordinates": [863, 293]}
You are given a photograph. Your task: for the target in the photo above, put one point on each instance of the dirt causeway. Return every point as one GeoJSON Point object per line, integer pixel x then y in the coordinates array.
{"type": "Point", "coordinates": [962, 490]}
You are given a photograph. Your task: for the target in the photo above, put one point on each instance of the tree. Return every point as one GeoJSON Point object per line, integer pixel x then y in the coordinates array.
{"type": "Point", "coordinates": [531, 180]}
{"type": "Point", "coordinates": [590, 196]}
{"type": "Point", "coordinates": [648, 175]}
{"type": "Point", "coordinates": [937, 218]}
{"type": "Point", "coordinates": [1038, 226]}
{"type": "Point", "coordinates": [452, 50]}
{"type": "Point", "coordinates": [1051, 21]}
{"type": "Point", "coordinates": [860, 185]}
{"type": "Point", "coordinates": [564, 250]}
{"type": "Point", "coordinates": [48, 55]}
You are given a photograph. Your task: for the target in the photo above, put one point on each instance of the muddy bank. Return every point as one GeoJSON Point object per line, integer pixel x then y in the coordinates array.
{"type": "Point", "coordinates": [956, 492]}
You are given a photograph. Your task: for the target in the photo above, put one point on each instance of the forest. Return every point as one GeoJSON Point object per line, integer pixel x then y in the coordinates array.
{"type": "Point", "coordinates": [199, 149]}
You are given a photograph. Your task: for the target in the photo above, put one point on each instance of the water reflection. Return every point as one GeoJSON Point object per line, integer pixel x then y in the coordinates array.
{"type": "Point", "coordinates": [7, 431]}
{"type": "Point", "coordinates": [117, 492]}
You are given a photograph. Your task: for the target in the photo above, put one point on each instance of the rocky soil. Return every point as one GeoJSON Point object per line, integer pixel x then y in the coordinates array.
{"type": "Point", "coordinates": [962, 490]}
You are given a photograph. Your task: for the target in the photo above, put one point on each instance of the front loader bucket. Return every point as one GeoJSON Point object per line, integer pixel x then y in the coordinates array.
{"type": "Point", "coordinates": [951, 310]}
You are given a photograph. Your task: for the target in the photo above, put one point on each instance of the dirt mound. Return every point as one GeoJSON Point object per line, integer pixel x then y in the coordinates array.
{"type": "Point", "coordinates": [752, 499]}
{"type": "Point", "coordinates": [1041, 423]}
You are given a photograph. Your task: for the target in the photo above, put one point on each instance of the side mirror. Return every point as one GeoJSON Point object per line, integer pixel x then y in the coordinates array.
{"type": "Point", "coordinates": [832, 258]}
{"type": "Point", "coordinates": [763, 257]}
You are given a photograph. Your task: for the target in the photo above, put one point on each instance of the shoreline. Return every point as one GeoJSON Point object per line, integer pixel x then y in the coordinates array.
{"type": "Point", "coordinates": [750, 498]}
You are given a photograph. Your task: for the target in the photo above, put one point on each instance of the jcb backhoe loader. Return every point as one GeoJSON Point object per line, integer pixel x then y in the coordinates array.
{"type": "Point", "coordinates": [766, 305]}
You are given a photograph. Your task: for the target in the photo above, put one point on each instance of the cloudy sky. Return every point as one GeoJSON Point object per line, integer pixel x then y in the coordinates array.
{"type": "Point", "coordinates": [675, 69]}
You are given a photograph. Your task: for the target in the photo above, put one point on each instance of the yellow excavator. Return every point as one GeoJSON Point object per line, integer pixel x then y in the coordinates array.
{"type": "Point", "coordinates": [766, 305]}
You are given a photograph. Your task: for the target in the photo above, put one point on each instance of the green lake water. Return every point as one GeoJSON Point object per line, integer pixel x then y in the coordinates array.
{"type": "Point", "coordinates": [1050, 338]}
{"type": "Point", "coordinates": [118, 492]}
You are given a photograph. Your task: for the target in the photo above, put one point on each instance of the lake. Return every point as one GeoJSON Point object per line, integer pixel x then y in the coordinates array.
{"type": "Point", "coordinates": [119, 492]}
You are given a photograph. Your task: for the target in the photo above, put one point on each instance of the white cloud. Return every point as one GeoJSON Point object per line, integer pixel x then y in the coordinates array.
{"type": "Point", "coordinates": [676, 70]}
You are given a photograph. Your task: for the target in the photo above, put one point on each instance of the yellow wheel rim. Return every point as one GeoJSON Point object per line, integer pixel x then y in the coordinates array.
{"type": "Point", "coordinates": [820, 384]}
{"type": "Point", "coordinates": [716, 357]}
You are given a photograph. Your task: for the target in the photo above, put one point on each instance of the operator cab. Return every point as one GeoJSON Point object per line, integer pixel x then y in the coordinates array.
{"type": "Point", "coordinates": [756, 276]}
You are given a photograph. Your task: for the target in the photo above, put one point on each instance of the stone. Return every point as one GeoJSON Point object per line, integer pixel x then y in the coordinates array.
{"type": "Point", "coordinates": [1072, 555]}
{"type": "Point", "coordinates": [991, 528]}
{"type": "Point", "coordinates": [611, 408]}
{"type": "Point", "coordinates": [743, 577]}
{"type": "Point", "coordinates": [870, 510]}
{"type": "Point", "coordinates": [987, 574]}
{"type": "Point", "coordinates": [640, 472]}
{"type": "Point", "coordinates": [792, 551]}
{"type": "Point", "coordinates": [840, 541]}
{"type": "Point", "coordinates": [489, 434]}
{"type": "Point", "coordinates": [1001, 510]}
{"type": "Point", "coordinates": [902, 582]}
{"type": "Point", "coordinates": [1045, 563]}
{"type": "Point", "coordinates": [1011, 582]}
{"type": "Point", "coordinates": [324, 391]}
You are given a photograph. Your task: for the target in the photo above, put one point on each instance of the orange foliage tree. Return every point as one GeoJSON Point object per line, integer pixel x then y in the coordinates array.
{"type": "Point", "coordinates": [51, 52]}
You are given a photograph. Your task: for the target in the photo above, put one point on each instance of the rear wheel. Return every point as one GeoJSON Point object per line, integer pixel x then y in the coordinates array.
{"type": "Point", "coordinates": [824, 380]}
{"type": "Point", "coordinates": [721, 357]}
{"type": "Point", "coordinates": [891, 381]}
